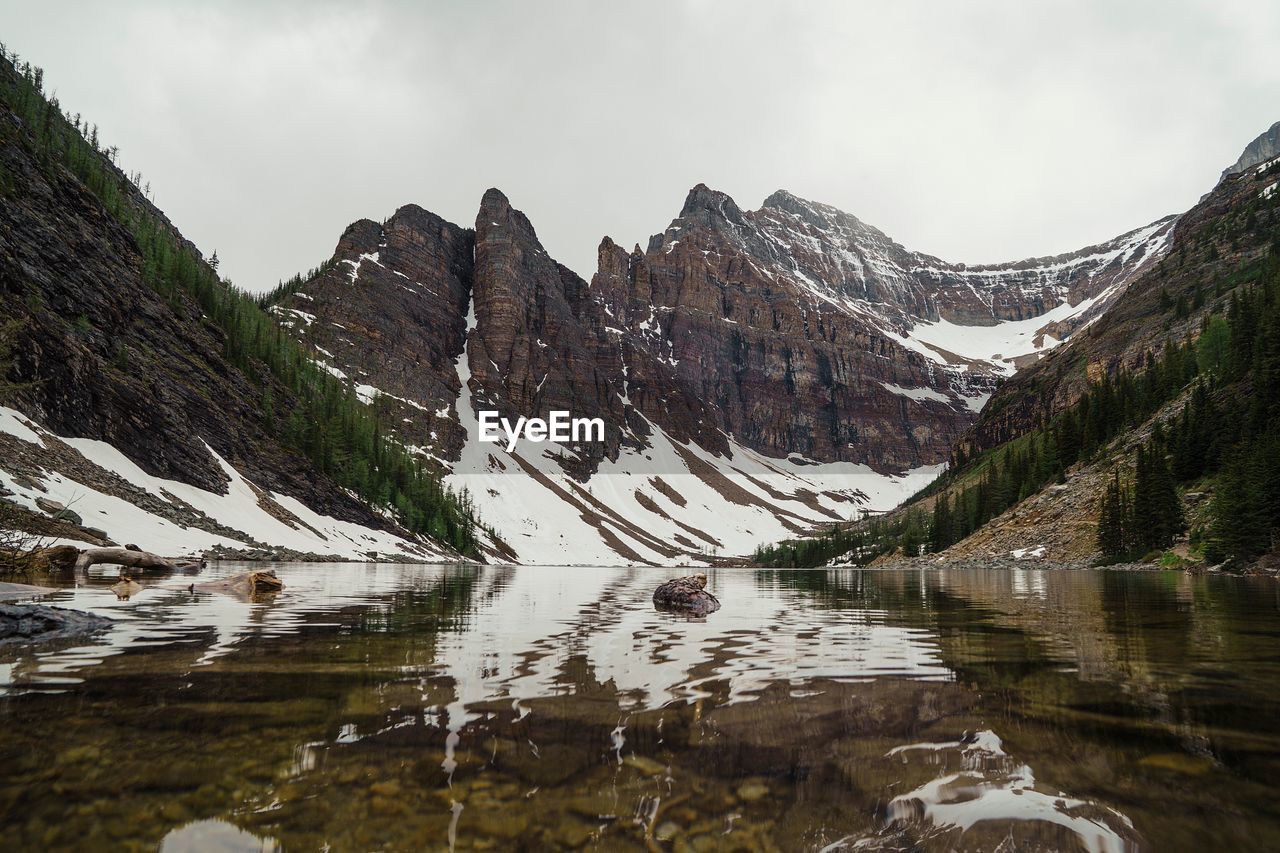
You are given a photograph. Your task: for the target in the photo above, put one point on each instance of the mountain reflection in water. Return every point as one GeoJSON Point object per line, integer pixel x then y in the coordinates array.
{"type": "Point", "coordinates": [419, 707]}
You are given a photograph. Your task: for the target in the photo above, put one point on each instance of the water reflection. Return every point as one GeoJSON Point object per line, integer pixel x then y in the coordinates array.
{"type": "Point", "coordinates": [412, 707]}
{"type": "Point", "coordinates": [990, 790]}
{"type": "Point", "coordinates": [214, 836]}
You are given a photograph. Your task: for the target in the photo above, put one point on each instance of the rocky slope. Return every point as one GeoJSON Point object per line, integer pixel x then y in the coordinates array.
{"type": "Point", "coordinates": [1225, 240]}
{"type": "Point", "coordinates": [1265, 147]}
{"type": "Point", "coordinates": [126, 401]}
{"type": "Point", "coordinates": [1211, 240]}
{"type": "Point", "coordinates": [758, 372]}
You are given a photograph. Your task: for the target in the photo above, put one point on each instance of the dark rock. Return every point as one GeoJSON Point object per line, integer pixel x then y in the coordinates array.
{"type": "Point", "coordinates": [686, 595]}
{"type": "Point", "coordinates": [21, 623]}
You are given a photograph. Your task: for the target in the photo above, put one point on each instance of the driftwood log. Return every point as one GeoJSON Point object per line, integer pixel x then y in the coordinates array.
{"type": "Point", "coordinates": [133, 559]}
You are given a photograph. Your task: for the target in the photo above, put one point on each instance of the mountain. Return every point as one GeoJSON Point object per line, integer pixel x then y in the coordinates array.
{"type": "Point", "coordinates": [1153, 433]}
{"type": "Point", "coordinates": [156, 403]}
{"type": "Point", "coordinates": [1263, 149]}
{"type": "Point", "coordinates": [759, 373]}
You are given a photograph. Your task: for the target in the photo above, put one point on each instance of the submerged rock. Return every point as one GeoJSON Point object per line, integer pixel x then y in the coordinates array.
{"type": "Point", "coordinates": [250, 586]}
{"type": "Point", "coordinates": [31, 622]}
{"type": "Point", "coordinates": [686, 595]}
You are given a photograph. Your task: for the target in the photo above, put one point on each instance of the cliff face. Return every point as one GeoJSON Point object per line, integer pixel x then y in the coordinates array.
{"type": "Point", "coordinates": [105, 357]}
{"type": "Point", "coordinates": [1265, 147]}
{"type": "Point", "coordinates": [813, 333]}
{"type": "Point", "coordinates": [540, 341]}
{"type": "Point", "coordinates": [737, 347]}
{"type": "Point", "coordinates": [388, 315]}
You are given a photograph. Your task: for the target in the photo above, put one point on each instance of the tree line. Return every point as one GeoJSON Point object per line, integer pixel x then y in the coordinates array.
{"type": "Point", "coordinates": [1237, 446]}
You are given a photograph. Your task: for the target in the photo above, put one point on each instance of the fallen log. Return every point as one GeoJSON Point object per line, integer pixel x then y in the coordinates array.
{"type": "Point", "coordinates": [132, 559]}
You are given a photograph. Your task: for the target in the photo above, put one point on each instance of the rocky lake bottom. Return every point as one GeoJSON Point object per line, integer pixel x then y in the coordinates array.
{"type": "Point", "coordinates": [407, 707]}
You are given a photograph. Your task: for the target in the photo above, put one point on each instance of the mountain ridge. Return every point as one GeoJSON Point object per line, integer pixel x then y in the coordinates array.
{"type": "Point", "coordinates": [786, 332]}
{"type": "Point", "coordinates": [1169, 400]}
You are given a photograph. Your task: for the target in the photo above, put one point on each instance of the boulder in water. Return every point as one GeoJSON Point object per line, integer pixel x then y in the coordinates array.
{"type": "Point", "coordinates": [686, 595]}
{"type": "Point", "coordinates": [22, 623]}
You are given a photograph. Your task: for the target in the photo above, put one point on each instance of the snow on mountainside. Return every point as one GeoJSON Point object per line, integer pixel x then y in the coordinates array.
{"type": "Point", "coordinates": [662, 502]}
{"type": "Point", "coordinates": [100, 484]}
{"type": "Point", "coordinates": [759, 373]}
{"type": "Point", "coordinates": [990, 316]}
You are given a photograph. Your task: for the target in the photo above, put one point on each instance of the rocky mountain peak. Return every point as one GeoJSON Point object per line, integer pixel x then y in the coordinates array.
{"type": "Point", "coordinates": [360, 237]}
{"type": "Point", "coordinates": [494, 202]}
{"type": "Point", "coordinates": [703, 205]}
{"type": "Point", "coordinates": [791, 332]}
{"type": "Point", "coordinates": [1260, 150]}
{"type": "Point", "coordinates": [821, 216]}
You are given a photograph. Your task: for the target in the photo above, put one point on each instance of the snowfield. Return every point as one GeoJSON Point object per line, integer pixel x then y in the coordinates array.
{"type": "Point", "coordinates": [242, 510]}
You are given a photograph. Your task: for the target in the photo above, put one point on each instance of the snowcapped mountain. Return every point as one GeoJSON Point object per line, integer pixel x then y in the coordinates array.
{"type": "Point", "coordinates": [759, 373]}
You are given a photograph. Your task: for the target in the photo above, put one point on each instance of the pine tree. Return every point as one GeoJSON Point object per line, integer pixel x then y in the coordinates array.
{"type": "Point", "coordinates": [1111, 535]}
{"type": "Point", "coordinates": [941, 529]}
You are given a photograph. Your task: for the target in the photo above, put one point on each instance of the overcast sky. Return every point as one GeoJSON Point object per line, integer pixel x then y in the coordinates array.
{"type": "Point", "coordinates": [974, 131]}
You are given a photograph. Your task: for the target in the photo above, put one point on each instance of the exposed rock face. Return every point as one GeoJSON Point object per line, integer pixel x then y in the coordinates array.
{"type": "Point", "coordinates": [1265, 147]}
{"type": "Point", "coordinates": [794, 322]}
{"type": "Point", "coordinates": [796, 332]}
{"type": "Point", "coordinates": [96, 341]}
{"type": "Point", "coordinates": [788, 328]}
{"type": "Point", "coordinates": [100, 354]}
{"type": "Point", "coordinates": [540, 342]}
{"type": "Point", "coordinates": [388, 313]}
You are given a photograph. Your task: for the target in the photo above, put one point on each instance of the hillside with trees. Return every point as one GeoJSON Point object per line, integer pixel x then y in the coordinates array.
{"type": "Point", "coordinates": [1163, 421]}
{"type": "Point", "coordinates": [120, 330]}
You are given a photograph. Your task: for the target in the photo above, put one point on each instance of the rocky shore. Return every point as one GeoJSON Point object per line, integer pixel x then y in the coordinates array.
{"type": "Point", "coordinates": [975, 562]}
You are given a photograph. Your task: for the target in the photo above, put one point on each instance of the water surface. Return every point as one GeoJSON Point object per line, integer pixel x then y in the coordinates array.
{"type": "Point", "coordinates": [430, 707]}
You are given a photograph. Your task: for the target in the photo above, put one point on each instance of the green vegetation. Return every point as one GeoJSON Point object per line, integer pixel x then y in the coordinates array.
{"type": "Point", "coordinates": [323, 420]}
{"type": "Point", "coordinates": [858, 543]}
{"type": "Point", "coordinates": [1239, 446]}
{"type": "Point", "coordinates": [284, 288]}
{"type": "Point", "coordinates": [1235, 358]}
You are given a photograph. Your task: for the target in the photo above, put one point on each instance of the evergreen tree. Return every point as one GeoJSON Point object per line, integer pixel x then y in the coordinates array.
{"type": "Point", "coordinates": [1111, 533]}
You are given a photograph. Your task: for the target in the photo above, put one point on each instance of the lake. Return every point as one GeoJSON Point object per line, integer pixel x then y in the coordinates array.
{"type": "Point", "coordinates": [390, 707]}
